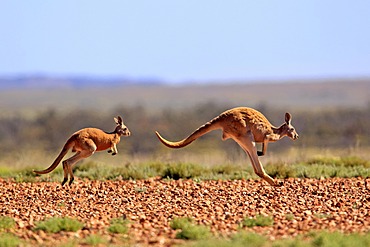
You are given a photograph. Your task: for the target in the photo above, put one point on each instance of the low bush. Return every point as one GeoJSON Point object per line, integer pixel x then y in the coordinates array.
{"type": "Point", "coordinates": [349, 161]}
{"type": "Point", "coordinates": [259, 220]}
{"type": "Point", "coordinates": [118, 225]}
{"type": "Point", "coordinates": [56, 224]}
{"type": "Point", "coordinates": [335, 239]}
{"type": "Point", "coordinates": [6, 223]}
{"type": "Point", "coordinates": [9, 240]}
{"type": "Point", "coordinates": [96, 240]}
{"type": "Point", "coordinates": [315, 239]}
{"type": "Point", "coordinates": [188, 230]}
{"type": "Point", "coordinates": [314, 168]}
{"type": "Point", "coordinates": [180, 223]}
{"type": "Point", "coordinates": [194, 232]}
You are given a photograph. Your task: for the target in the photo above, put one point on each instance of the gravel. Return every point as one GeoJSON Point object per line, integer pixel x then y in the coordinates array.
{"type": "Point", "coordinates": [298, 207]}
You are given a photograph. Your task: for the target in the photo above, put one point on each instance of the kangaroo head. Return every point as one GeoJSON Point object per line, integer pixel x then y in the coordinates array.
{"type": "Point", "coordinates": [287, 128]}
{"type": "Point", "coordinates": [121, 129]}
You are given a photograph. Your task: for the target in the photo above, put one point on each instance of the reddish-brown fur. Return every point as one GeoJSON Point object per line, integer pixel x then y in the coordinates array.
{"type": "Point", "coordinates": [246, 126]}
{"type": "Point", "coordinates": [85, 143]}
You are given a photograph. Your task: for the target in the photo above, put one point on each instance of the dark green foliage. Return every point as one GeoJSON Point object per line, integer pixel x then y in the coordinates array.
{"type": "Point", "coordinates": [183, 170]}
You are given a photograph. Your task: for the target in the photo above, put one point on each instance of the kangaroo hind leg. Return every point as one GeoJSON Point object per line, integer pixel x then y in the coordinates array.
{"type": "Point", "coordinates": [89, 149]}
{"type": "Point", "coordinates": [246, 142]}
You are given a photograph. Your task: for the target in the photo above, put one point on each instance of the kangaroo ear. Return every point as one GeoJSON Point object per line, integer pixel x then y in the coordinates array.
{"type": "Point", "coordinates": [288, 118]}
{"type": "Point", "coordinates": [118, 120]}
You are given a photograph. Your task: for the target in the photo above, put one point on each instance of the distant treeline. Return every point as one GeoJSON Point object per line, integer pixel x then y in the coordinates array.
{"type": "Point", "coordinates": [50, 129]}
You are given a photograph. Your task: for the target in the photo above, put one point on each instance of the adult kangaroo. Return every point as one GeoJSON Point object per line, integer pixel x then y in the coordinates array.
{"type": "Point", "coordinates": [85, 143]}
{"type": "Point", "coordinates": [246, 126]}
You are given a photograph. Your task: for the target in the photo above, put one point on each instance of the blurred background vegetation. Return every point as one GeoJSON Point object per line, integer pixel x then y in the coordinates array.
{"type": "Point", "coordinates": [36, 122]}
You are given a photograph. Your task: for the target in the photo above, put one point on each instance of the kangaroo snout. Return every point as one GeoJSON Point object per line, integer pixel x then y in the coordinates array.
{"type": "Point", "coordinates": [127, 133]}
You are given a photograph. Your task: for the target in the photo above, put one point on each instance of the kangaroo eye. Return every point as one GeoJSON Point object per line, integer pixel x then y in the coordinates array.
{"type": "Point", "coordinates": [291, 129]}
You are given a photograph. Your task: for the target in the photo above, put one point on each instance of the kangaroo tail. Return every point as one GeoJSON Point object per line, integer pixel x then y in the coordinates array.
{"type": "Point", "coordinates": [56, 162]}
{"type": "Point", "coordinates": [202, 130]}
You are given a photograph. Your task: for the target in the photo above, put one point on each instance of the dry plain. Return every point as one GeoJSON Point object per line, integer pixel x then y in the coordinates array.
{"type": "Point", "coordinates": [298, 207]}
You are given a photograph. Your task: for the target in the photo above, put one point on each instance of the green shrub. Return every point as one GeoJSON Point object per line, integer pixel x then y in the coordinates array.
{"type": "Point", "coordinates": [95, 240]}
{"type": "Point", "coordinates": [56, 224]}
{"type": "Point", "coordinates": [9, 240]}
{"type": "Point", "coordinates": [6, 222]}
{"type": "Point", "coordinates": [183, 170]}
{"type": "Point", "coordinates": [180, 223]}
{"type": "Point", "coordinates": [189, 230]}
{"type": "Point", "coordinates": [25, 175]}
{"type": "Point", "coordinates": [249, 239]}
{"type": "Point", "coordinates": [314, 239]}
{"type": "Point", "coordinates": [118, 225]}
{"type": "Point", "coordinates": [5, 171]}
{"type": "Point", "coordinates": [281, 170]}
{"type": "Point", "coordinates": [314, 168]}
{"type": "Point", "coordinates": [296, 242]}
{"type": "Point", "coordinates": [240, 239]}
{"type": "Point", "coordinates": [259, 220]}
{"type": "Point", "coordinates": [194, 232]}
{"type": "Point", "coordinates": [349, 161]}
{"type": "Point", "coordinates": [337, 239]}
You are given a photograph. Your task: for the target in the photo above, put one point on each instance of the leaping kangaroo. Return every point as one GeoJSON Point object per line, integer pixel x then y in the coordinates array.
{"type": "Point", "coordinates": [85, 142]}
{"type": "Point", "coordinates": [246, 126]}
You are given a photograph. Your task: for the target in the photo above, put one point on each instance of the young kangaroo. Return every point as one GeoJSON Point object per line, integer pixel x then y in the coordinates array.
{"type": "Point", "coordinates": [85, 142]}
{"type": "Point", "coordinates": [245, 126]}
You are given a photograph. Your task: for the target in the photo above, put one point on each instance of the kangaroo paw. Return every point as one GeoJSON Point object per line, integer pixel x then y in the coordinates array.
{"type": "Point", "coordinates": [109, 151]}
{"type": "Point", "coordinates": [114, 154]}
{"type": "Point", "coordinates": [70, 181]}
{"type": "Point", "coordinates": [64, 181]}
{"type": "Point", "coordinates": [260, 153]}
{"type": "Point", "coordinates": [279, 183]}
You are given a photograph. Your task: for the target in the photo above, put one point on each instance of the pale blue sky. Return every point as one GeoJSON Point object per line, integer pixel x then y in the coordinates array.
{"type": "Point", "coordinates": [186, 40]}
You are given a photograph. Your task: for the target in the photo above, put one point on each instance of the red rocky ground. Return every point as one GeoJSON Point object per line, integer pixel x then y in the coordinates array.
{"type": "Point", "coordinates": [301, 205]}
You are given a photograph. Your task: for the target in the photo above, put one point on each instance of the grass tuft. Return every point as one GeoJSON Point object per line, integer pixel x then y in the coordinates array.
{"type": "Point", "coordinates": [180, 223]}
{"type": "Point", "coordinates": [253, 239]}
{"type": "Point", "coordinates": [9, 240]}
{"type": "Point", "coordinates": [6, 223]}
{"type": "Point", "coordinates": [194, 232]}
{"type": "Point", "coordinates": [189, 231]}
{"type": "Point", "coordinates": [183, 170]}
{"type": "Point", "coordinates": [96, 240]}
{"type": "Point", "coordinates": [259, 220]}
{"type": "Point", "coordinates": [322, 167]}
{"type": "Point", "coordinates": [56, 224]}
{"type": "Point", "coordinates": [119, 226]}
{"type": "Point", "coordinates": [315, 239]}
{"type": "Point", "coordinates": [349, 161]}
